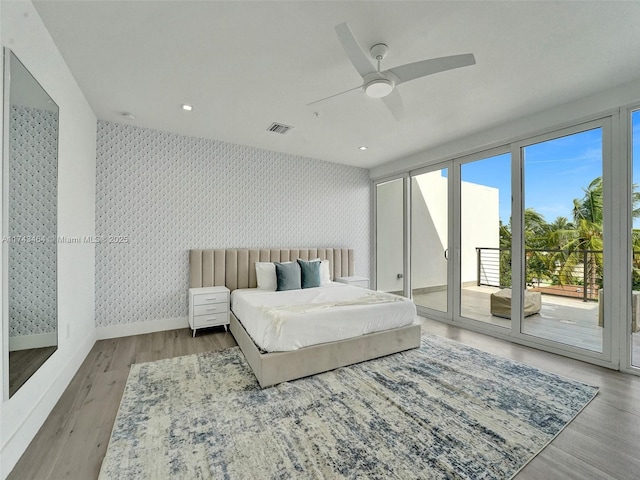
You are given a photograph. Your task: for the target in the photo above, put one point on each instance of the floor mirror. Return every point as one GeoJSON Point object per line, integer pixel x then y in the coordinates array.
{"type": "Point", "coordinates": [29, 224]}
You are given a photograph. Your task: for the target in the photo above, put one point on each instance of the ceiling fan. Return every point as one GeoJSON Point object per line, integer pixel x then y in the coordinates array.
{"type": "Point", "coordinates": [382, 84]}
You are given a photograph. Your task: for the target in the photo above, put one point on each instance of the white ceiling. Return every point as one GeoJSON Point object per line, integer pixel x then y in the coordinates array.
{"type": "Point", "coordinates": [244, 65]}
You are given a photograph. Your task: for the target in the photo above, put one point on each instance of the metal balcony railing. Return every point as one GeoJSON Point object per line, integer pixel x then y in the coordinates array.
{"type": "Point", "coordinates": [575, 274]}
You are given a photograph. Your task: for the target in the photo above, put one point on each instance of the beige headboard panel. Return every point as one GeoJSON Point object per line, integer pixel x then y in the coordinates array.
{"type": "Point", "coordinates": [235, 268]}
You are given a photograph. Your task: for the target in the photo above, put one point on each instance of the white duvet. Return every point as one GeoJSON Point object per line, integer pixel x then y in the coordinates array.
{"type": "Point", "coordinates": [284, 321]}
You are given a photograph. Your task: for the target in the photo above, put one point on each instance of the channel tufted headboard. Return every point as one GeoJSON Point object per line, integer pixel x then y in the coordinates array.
{"type": "Point", "coordinates": [235, 268]}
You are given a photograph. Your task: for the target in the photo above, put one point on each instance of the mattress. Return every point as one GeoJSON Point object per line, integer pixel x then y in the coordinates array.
{"type": "Point", "coordinates": [293, 319]}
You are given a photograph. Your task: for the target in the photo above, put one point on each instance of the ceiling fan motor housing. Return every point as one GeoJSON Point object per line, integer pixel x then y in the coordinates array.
{"type": "Point", "coordinates": [379, 87]}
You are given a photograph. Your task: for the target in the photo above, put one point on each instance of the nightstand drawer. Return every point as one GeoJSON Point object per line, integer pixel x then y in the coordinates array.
{"type": "Point", "coordinates": [211, 320]}
{"type": "Point", "coordinates": [209, 309]}
{"type": "Point", "coordinates": [206, 298]}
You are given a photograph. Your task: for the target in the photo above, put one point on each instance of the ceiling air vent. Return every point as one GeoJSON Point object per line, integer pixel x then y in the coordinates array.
{"type": "Point", "coordinates": [279, 128]}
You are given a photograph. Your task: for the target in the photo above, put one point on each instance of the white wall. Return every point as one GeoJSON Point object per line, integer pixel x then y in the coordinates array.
{"type": "Point", "coordinates": [562, 115]}
{"type": "Point", "coordinates": [167, 193]}
{"type": "Point", "coordinates": [429, 230]}
{"type": "Point", "coordinates": [21, 416]}
{"type": "Point", "coordinates": [480, 218]}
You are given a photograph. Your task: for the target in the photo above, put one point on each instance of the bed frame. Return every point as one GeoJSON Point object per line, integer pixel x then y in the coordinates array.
{"type": "Point", "coordinates": [235, 268]}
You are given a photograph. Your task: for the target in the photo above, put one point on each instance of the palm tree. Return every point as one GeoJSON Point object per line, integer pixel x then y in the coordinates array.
{"type": "Point", "coordinates": [557, 235]}
{"type": "Point", "coordinates": [565, 243]}
{"type": "Point", "coordinates": [557, 231]}
{"type": "Point", "coordinates": [535, 228]}
{"type": "Point", "coordinates": [536, 257]}
{"type": "Point", "coordinates": [583, 243]}
{"type": "Point", "coordinates": [590, 206]}
{"type": "Point", "coordinates": [505, 254]}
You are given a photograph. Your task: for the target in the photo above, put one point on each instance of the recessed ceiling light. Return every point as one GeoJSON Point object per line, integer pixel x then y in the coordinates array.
{"type": "Point", "coordinates": [186, 107]}
{"type": "Point", "coordinates": [363, 147]}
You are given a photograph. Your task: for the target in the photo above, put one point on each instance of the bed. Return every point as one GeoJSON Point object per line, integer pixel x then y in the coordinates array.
{"type": "Point", "coordinates": [235, 269]}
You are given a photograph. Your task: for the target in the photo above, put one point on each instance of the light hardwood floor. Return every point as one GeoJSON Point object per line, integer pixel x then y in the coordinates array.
{"type": "Point", "coordinates": [24, 363]}
{"type": "Point", "coordinates": [601, 443]}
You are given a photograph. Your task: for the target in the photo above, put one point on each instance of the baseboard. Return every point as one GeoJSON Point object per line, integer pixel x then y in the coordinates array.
{"type": "Point", "coordinates": [139, 328]}
{"type": "Point", "coordinates": [40, 340]}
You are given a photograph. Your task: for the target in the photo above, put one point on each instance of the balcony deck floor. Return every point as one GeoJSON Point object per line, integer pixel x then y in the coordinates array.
{"type": "Point", "coordinates": [565, 320]}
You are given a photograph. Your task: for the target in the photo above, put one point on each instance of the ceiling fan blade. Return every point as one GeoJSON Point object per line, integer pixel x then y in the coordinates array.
{"type": "Point", "coordinates": [393, 101]}
{"type": "Point", "coordinates": [354, 51]}
{"type": "Point", "coordinates": [335, 95]}
{"type": "Point", "coordinates": [415, 70]}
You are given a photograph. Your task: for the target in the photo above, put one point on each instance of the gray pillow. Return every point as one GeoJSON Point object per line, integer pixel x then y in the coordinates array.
{"type": "Point", "coordinates": [287, 276]}
{"type": "Point", "coordinates": [310, 273]}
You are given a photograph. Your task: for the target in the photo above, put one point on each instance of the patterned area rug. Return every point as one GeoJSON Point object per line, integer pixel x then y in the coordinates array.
{"type": "Point", "coordinates": [444, 410]}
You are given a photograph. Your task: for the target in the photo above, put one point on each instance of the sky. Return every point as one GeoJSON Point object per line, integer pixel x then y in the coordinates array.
{"type": "Point", "coordinates": [555, 172]}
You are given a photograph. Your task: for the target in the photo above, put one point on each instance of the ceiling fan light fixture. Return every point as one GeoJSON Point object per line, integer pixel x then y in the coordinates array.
{"type": "Point", "coordinates": [379, 88]}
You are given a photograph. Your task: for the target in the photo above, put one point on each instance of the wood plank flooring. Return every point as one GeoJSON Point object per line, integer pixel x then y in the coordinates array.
{"type": "Point", "coordinates": [24, 363]}
{"type": "Point", "coordinates": [73, 441]}
{"type": "Point", "coordinates": [601, 443]}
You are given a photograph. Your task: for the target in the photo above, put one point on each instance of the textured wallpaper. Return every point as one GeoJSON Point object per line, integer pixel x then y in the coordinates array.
{"type": "Point", "coordinates": [33, 181]}
{"type": "Point", "coordinates": [160, 194]}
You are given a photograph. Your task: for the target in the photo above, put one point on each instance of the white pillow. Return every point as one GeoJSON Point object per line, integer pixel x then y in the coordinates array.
{"type": "Point", "coordinates": [266, 276]}
{"type": "Point", "coordinates": [325, 273]}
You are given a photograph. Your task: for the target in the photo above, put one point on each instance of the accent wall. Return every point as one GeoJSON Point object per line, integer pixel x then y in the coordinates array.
{"type": "Point", "coordinates": [160, 194]}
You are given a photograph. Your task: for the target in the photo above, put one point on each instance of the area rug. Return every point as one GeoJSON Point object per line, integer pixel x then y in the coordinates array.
{"type": "Point", "coordinates": [444, 410]}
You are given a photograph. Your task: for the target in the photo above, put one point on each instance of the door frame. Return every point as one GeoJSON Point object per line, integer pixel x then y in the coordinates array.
{"type": "Point", "coordinates": [609, 355]}
{"type": "Point", "coordinates": [451, 261]}
{"type": "Point", "coordinates": [468, 322]}
{"type": "Point", "coordinates": [406, 241]}
{"type": "Point", "coordinates": [624, 337]}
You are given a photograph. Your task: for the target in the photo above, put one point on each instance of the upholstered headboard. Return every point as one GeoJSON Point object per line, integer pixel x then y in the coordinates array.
{"type": "Point", "coordinates": [235, 268]}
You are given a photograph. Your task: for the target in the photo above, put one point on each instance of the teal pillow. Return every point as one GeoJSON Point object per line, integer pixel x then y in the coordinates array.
{"type": "Point", "coordinates": [287, 276]}
{"type": "Point", "coordinates": [310, 273]}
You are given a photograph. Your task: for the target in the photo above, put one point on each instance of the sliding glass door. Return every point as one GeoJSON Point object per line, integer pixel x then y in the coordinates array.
{"type": "Point", "coordinates": [485, 239]}
{"type": "Point", "coordinates": [389, 239]}
{"type": "Point", "coordinates": [430, 253]}
{"type": "Point", "coordinates": [634, 325]}
{"type": "Point", "coordinates": [563, 229]}
{"type": "Point", "coordinates": [513, 241]}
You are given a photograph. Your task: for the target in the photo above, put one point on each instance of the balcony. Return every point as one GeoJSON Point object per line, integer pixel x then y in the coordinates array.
{"type": "Point", "coordinates": [570, 313]}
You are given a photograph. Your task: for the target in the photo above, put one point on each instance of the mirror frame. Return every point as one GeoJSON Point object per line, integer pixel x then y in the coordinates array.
{"type": "Point", "coordinates": [6, 131]}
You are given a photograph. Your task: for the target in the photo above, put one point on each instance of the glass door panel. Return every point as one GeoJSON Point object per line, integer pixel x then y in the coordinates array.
{"type": "Point", "coordinates": [430, 239]}
{"type": "Point", "coordinates": [390, 236]}
{"type": "Point", "coordinates": [635, 236]}
{"type": "Point", "coordinates": [563, 236]}
{"type": "Point", "coordinates": [485, 240]}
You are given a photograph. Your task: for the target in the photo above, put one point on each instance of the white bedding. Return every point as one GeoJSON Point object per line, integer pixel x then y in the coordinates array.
{"type": "Point", "coordinates": [289, 320]}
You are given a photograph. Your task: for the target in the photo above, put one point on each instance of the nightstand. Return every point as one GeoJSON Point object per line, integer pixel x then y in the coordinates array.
{"type": "Point", "coordinates": [362, 282]}
{"type": "Point", "coordinates": [208, 307]}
